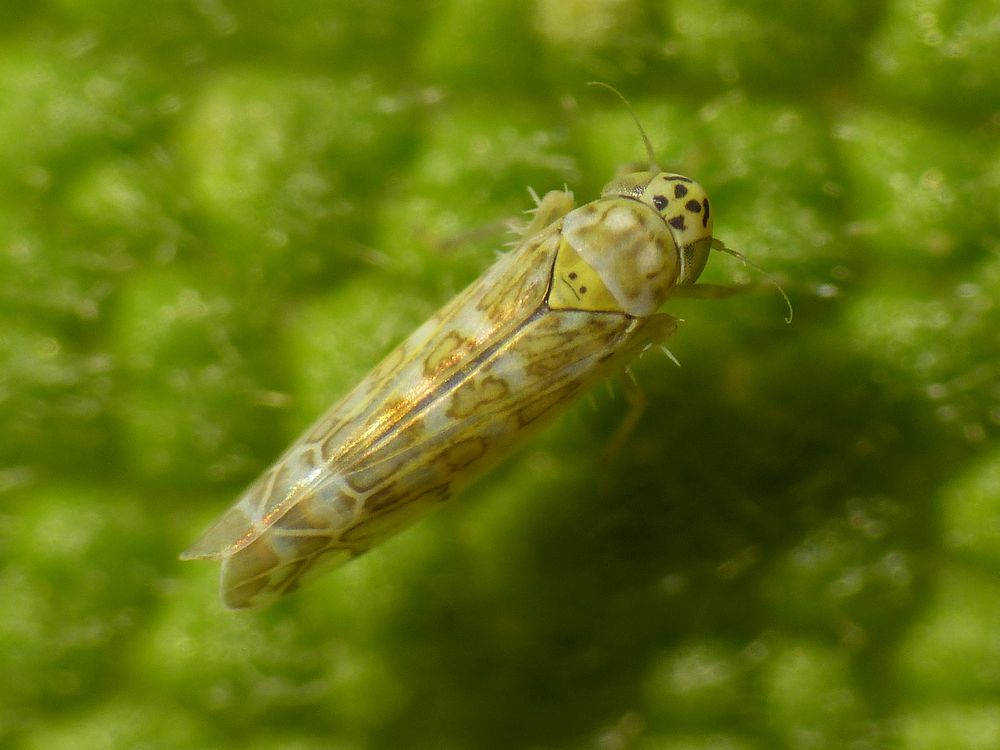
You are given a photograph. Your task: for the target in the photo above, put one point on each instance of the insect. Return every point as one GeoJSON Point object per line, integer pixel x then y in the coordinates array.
{"type": "Point", "coordinates": [575, 301]}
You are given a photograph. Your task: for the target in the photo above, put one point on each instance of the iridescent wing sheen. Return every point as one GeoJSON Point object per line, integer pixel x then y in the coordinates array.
{"type": "Point", "coordinates": [484, 313]}
{"type": "Point", "coordinates": [541, 368]}
{"type": "Point", "coordinates": [464, 389]}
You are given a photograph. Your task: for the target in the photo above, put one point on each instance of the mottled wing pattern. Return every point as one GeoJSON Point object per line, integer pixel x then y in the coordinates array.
{"type": "Point", "coordinates": [511, 391]}
{"type": "Point", "coordinates": [576, 300]}
{"type": "Point", "coordinates": [487, 311]}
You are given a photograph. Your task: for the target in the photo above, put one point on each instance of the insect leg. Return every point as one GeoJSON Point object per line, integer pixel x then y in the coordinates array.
{"type": "Point", "coordinates": [710, 291]}
{"type": "Point", "coordinates": [636, 399]}
{"type": "Point", "coordinates": [655, 331]}
{"type": "Point", "coordinates": [719, 291]}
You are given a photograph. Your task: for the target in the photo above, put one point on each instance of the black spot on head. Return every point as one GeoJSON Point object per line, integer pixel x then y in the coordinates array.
{"type": "Point", "coordinates": [704, 218]}
{"type": "Point", "coordinates": [660, 201]}
{"type": "Point", "coordinates": [680, 191]}
{"type": "Point", "coordinates": [678, 223]}
{"type": "Point", "coordinates": [693, 206]}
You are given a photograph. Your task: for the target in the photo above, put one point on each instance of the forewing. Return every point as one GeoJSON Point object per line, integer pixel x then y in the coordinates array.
{"type": "Point", "coordinates": [487, 311]}
{"type": "Point", "coordinates": [543, 366]}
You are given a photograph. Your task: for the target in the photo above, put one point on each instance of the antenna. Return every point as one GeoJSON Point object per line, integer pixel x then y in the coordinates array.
{"type": "Point", "coordinates": [635, 118]}
{"type": "Point", "coordinates": [719, 245]}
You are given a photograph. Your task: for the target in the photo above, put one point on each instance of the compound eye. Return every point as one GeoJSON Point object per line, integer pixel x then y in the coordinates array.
{"type": "Point", "coordinates": [631, 185]}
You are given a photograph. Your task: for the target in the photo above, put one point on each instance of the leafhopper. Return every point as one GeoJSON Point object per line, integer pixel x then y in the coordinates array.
{"type": "Point", "coordinates": [574, 302]}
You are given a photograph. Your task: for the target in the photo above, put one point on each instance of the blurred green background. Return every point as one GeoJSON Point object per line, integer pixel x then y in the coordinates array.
{"type": "Point", "coordinates": [217, 216]}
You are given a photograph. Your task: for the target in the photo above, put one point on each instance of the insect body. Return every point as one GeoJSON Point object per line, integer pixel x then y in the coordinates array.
{"type": "Point", "coordinates": [576, 300]}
